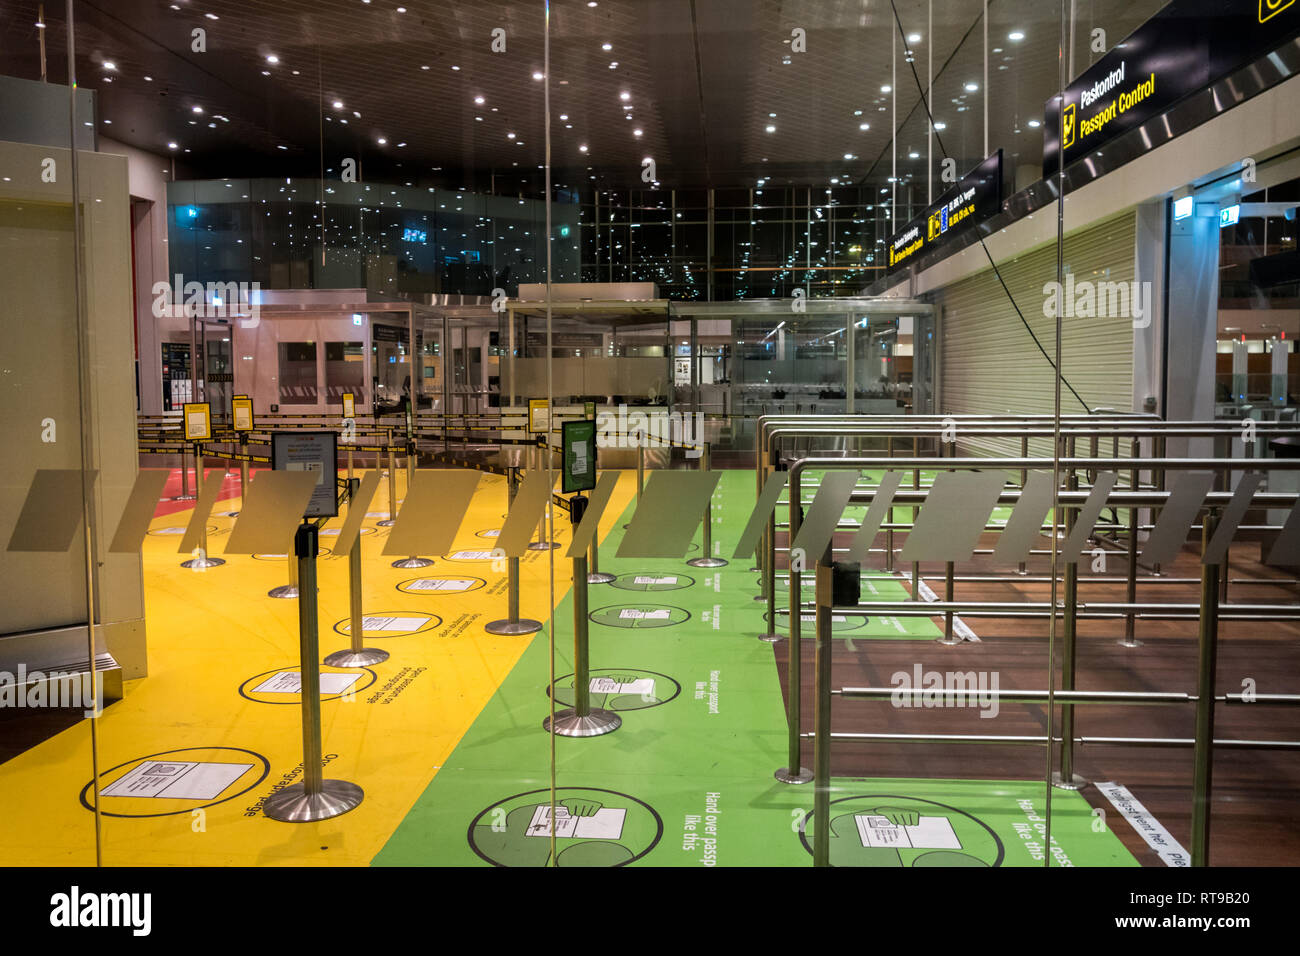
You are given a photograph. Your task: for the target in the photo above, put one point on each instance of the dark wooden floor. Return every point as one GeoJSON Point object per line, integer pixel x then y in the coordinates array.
{"type": "Point", "coordinates": [1256, 794]}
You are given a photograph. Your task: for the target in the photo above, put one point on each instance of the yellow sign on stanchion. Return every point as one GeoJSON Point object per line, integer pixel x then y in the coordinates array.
{"type": "Point", "coordinates": [349, 405]}
{"type": "Point", "coordinates": [539, 416]}
{"type": "Point", "coordinates": [241, 413]}
{"type": "Point", "coordinates": [198, 421]}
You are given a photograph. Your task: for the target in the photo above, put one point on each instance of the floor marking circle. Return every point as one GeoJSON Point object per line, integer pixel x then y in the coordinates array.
{"type": "Point", "coordinates": [488, 533]}
{"type": "Point", "coordinates": [592, 826]}
{"type": "Point", "coordinates": [173, 771]}
{"type": "Point", "coordinates": [378, 624]}
{"type": "Point", "coordinates": [894, 824]}
{"type": "Point", "coordinates": [642, 615]}
{"type": "Point", "coordinates": [652, 581]}
{"type": "Point", "coordinates": [468, 555]}
{"type": "Point", "coordinates": [620, 689]}
{"type": "Point", "coordinates": [295, 696]}
{"type": "Point", "coordinates": [441, 584]}
{"type": "Point", "coordinates": [211, 529]}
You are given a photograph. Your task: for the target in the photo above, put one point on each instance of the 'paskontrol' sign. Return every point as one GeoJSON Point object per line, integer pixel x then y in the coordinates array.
{"type": "Point", "coordinates": [1182, 49]}
{"type": "Point", "coordinates": [975, 198]}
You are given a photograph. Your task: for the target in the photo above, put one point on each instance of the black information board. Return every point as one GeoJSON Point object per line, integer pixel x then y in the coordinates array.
{"type": "Point", "coordinates": [579, 457]}
{"type": "Point", "coordinates": [311, 451]}
{"type": "Point", "coordinates": [1184, 48]}
{"type": "Point", "coordinates": [975, 198]}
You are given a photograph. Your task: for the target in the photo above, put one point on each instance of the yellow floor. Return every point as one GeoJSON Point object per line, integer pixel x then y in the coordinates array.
{"type": "Point", "coordinates": [210, 634]}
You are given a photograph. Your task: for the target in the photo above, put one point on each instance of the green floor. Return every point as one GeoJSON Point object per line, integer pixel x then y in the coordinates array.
{"type": "Point", "coordinates": [687, 779]}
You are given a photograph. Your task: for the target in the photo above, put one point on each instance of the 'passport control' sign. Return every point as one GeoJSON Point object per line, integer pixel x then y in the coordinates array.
{"type": "Point", "coordinates": [975, 198]}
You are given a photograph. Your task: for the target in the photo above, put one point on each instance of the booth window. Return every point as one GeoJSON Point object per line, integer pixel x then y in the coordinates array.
{"type": "Point", "coordinates": [298, 373]}
{"type": "Point", "coordinates": [345, 368]}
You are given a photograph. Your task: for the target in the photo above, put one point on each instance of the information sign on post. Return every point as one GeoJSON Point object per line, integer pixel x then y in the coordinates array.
{"type": "Point", "coordinates": [539, 416]}
{"type": "Point", "coordinates": [579, 438]}
{"type": "Point", "coordinates": [241, 413]}
{"type": "Point", "coordinates": [349, 405]}
{"type": "Point", "coordinates": [310, 451]}
{"type": "Point", "coordinates": [589, 410]}
{"type": "Point", "coordinates": [198, 421]}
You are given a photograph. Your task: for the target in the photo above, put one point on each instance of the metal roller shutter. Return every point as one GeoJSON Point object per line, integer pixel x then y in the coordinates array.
{"type": "Point", "coordinates": [990, 365]}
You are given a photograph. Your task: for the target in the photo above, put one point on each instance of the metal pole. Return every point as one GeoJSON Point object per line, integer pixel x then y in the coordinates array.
{"type": "Point", "coordinates": [771, 635]}
{"type": "Point", "coordinates": [1130, 586]}
{"type": "Point", "coordinates": [707, 559]}
{"type": "Point", "coordinates": [1203, 747]}
{"type": "Point", "coordinates": [948, 597]}
{"type": "Point", "coordinates": [794, 771]}
{"type": "Point", "coordinates": [889, 530]}
{"type": "Point", "coordinates": [582, 720]}
{"type": "Point", "coordinates": [541, 544]}
{"type": "Point", "coordinates": [243, 469]}
{"type": "Point", "coordinates": [315, 798]}
{"type": "Point", "coordinates": [201, 561]}
{"type": "Point", "coordinates": [356, 654]}
{"type": "Point", "coordinates": [392, 480]}
{"type": "Point", "coordinates": [916, 485]}
{"type": "Point", "coordinates": [185, 478]}
{"type": "Point", "coordinates": [822, 719]}
{"type": "Point", "coordinates": [1066, 778]}
{"type": "Point", "coordinates": [512, 625]}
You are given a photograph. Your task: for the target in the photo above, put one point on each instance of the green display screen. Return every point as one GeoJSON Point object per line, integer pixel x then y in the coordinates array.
{"type": "Point", "coordinates": [579, 456]}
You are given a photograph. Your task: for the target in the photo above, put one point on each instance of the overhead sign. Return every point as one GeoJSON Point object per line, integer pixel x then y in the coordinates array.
{"type": "Point", "coordinates": [316, 452]}
{"type": "Point", "coordinates": [579, 468]}
{"type": "Point", "coordinates": [198, 421]}
{"type": "Point", "coordinates": [241, 413]}
{"type": "Point", "coordinates": [1182, 49]}
{"type": "Point", "coordinates": [977, 197]}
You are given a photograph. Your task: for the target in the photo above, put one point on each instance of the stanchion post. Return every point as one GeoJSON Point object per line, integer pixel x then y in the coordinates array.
{"type": "Point", "coordinates": [794, 771]}
{"type": "Point", "coordinates": [771, 635]}
{"type": "Point", "coordinates": [889, 517]}
{"type": "Point", "coordinates": [1130, 584]}
{"type": "Point", "coordinates": [707, 559]}
{"type": "Point", "coordinates": [202, 562]}
{"type": "Point", "coordinates": [392, 480]}
{"type": "Point", "coordinates": [594, 574]}
{"type": "Point", "coordinates": [1207, 665]}
{"type": "Point", "coordinates": [1066, 778]}
{"type": "Point", "coordinates": [315, 798]}
{"type": "Point", "coordinates": [356, 654]}
{"type": "Point", "coordinates": [512, 625]}
{"type": "Point", "coordinates": [948, 596]}
{"type": "Point", "coordinates": [581, 720]}
{"type": "Point", "coordinates": [822, 716]}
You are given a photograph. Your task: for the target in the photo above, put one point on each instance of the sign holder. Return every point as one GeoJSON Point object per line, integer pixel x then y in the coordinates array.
{"type": "Point", "coordinates": [241, 417]}
{"type": "Point", "coordinates": [581, 720]}
{"type": "Point", "coordinates": [392, 481]}
{"type": "Point", "coordinates": [349, 431]}
{"type": "Point", "coordinates": [315, 798]}
{"type": "Point", "coordinates": [512, 625]}
{"type": "Point", "coordinates": [707, 560]}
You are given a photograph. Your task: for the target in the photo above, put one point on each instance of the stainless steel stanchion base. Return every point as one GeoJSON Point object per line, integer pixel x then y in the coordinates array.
{"type": "Point", "coordinates": [1074, 783]}
{"type": "Point", "coordinates": [1125, 642]}
{"type": "Point", "coordinates": [707, 563]}
{"type": "Point", "coordinates": [181, 498]}
{"type": "Point", "coordinates": [600, 577]}
{"type": "Point", "coordinates": [512, 628]}
{"type": "Point", "coordinates": [386, 523]}
{"type": "Point", "coordinates": [597, 722]}
{"type": "Point", "coordinates": [283, 591]}
{"type": "Point", "coordinates": [542, 546]}
{"type": "Point", "coordinates": [771, 638]}
{"type": "Point", "coordinates": [294, 805]}
{"type": "Point", "coordinates": [785, 776]}
{"type": "Point", "coordinates": [412, 563]}
{"type": "Point", "coordinates": [362, 658]}
{"type": "Point", "coordinates": [201, 563]}
{"type": "Point", "coordinates": [949, 641]}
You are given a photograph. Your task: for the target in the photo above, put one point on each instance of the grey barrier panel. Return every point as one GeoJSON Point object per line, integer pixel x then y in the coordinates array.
{"type": "Point", "coordinates": [435, 506]}
{"type": "Point", "coordinates": [1286, 549]}
{"type": "Point", "coordinates": [866, 534]}
{"type": "Point", "coordinates": [51, 514]}
{"type": "Point", "coordinates": [1025, 525]}
{"type": "Point", "coordinates": [1088, 515]}
{"type": "Point", "coordinates": [953, 516]}
{"type": "Point", "coordinates": [213, 479]}
{"type": "Point", "coordinates": [827, 507]}
{"type": "Point", "coordinates": [357, 512]}
{"type": "Point", "coordinates": [524, 513]}
{"type": "Point", "coordinates": [590, 525]}
{"type": "Point", "coordinates": [1170, 533]}
{"type": "Point", "coordinates": [1216, 552]}
{"type": "Point", "coordinates": [140, 506]}
{"type": "Point", "coordinates": [270, 513]}
{"type": "Point", "coordinates": [672, 507]}
{"type": "Point", "coordinates": [762, 511]}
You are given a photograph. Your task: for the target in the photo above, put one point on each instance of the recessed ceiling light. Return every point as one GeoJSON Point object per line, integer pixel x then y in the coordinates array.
{"type": "Point", "coordinates": [537, 75]}
{"type": "Point", "coordinates": [197, 109]}
{"type": "Point", "coordinates": [510, 135]}
{"type": "Point", "coordinates": [591, 3]}
{"type": "Point", "coordinates": [212, 16]}
{"type": "Point", "coordinates": [1015, 35]}
{"type": "Point", "coordinates": [338, 104]}
{"type": "Point", "coordinates": [401, 9]}
{"type": "Point", "coordinates": [455, 68]}
{"type": "Point", "coordinates": [940, 126]}
{"type": "Point", "coordinates": [172, 146]}
{"type": "Point", "coordinates": [607, 47]}
{"type": "Point", "coordinates": [972, 87]}
{"type": "Point", "coordinates": [913, 155]}
{"type": "Point", "coordinates": [614, 65]}
{"type": "Point", "coordinates": [1035, 123]}
{"type": "Point", "coordinates": [770, 128]}
{"type": "Point", "coordinates": [382, 141]}
{"type": "Point", "coordinates": [864, 126]}
{"type": "Point", "coordinates": [109, 122]}
{"type": "Point", "coordinates": [479, 100]}
{"type": "Point", "coordinates": [582, 149]}
{"type": "Point", "coordinates": [914, 38]}
{"type": "Point", "coordinates": [636, 132]}
{"type": "Point", "coordinates": [110, 65]}
{"type": "Point", "coordinates": [272, 59]}
{"type": "Point", "coordinates": [148, 79]}
{"type": "Point", "coordinates": [886, 88]}
{"type": "Point", "coordinates": [563, 117]}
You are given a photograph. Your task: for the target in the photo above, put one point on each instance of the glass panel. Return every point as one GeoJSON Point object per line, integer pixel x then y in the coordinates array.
{"type": "Point", "coordinates": [298, 373]}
